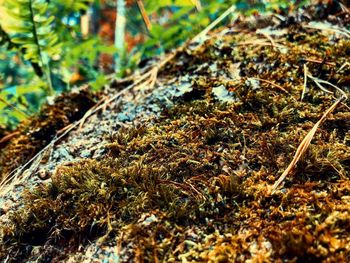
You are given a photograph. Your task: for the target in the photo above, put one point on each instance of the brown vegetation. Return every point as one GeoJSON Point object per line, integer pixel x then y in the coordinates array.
{"type": "Point", "coordinates": [194, 184]}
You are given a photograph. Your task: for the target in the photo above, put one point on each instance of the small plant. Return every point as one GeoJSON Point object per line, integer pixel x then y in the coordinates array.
{"type": "Point", "coordinates": [31, 29]}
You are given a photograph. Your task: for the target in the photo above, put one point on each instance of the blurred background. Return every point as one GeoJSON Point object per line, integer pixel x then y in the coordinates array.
{"type": "Point", "coordinates": [50, 46]}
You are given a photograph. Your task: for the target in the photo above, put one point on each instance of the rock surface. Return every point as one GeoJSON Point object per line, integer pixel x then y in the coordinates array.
{"type": "Point", "coordinates": [181, 171]}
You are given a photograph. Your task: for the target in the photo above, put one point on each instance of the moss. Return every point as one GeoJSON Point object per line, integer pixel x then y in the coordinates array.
{"type": "Point", "coordinates": [175, 166]}
{"type": "Point", "coordinates": [192, 184]}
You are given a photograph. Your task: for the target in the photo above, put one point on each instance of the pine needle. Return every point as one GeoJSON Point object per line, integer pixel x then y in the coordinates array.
{"type": "Point", "coordinates": [307, 140]}
{"type": "Point", "coordinates": [304, 145]}
{"type": "Point", "coordinates": [305, 81]}
{"type": "Point", "coordinates": [14, 108]}
{"type": "Point", "coordinates": [272, 84]}
{"type": "Point", "coordinates": [144, 15]}
{"type": "Point", "coordinates": [202, 34]}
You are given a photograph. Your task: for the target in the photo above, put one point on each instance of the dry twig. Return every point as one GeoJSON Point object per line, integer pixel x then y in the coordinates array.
{"type": "Point", "coordinates": [14, 108]}
{"type": "Point", "coordinates": [329, 28]}
{"type": "Point", "coordinates": [198, 4]}
{"type": "Point", "coordinates": [271, 83]}
{"type": "Point", "coordinates": [305, 81]}
{"type": "Point", "coordinates": [259, 42]}
{"type": "Point", "coordinates": [273, 44]}
{"type": "Point", "coordinates": [346, 64]}
{"type": "Point", "coordinates": [307, 140]}
{"type": "Point", "coordinates": [204, 32]}
{"type": "Point", "coordinates": [8, 137]}
{"type": "Point", "coordinates": [320, 61]}
{"type": "Point", "coordinates": [304, 145]}
{"type": "Point", "coordinates": [144, 15]}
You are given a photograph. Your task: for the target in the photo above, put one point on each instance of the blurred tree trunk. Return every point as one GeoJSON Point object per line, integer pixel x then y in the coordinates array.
{"type": "Point", "coordinates": [119, 34]}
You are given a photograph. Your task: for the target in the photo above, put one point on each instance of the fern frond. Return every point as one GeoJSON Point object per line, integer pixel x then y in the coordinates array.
{"type": "Point", "coordinates": [30, 29]}
{"type": "Point", "coordinates": [5, 39]}
{"type": "Point", "coordinates": [9, 44]}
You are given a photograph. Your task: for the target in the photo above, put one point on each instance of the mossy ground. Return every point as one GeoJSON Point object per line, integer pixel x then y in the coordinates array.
{"type": "Point", "coordinates": [36, 132]}
{"type": "Point", "coordinates": [193, 184]}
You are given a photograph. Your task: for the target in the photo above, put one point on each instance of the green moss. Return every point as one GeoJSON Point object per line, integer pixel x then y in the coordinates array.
{"type": "Point", "coordinates": [203, 168]}
{"type": "Point", "coordinates": [198, 161]}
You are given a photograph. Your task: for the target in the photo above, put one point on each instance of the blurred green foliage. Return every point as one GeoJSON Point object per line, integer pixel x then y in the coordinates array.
{"type": "Point", "coordinates": [42, 50]}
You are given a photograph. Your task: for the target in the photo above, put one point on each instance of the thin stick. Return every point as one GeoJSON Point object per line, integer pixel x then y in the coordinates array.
{"type": "Point", "coordinates": [8, 137]}
{"type": "Point", "coordinates": [273, 44]}
{"type": "Point", "coordinates": [304, 145]}
{"type": "Point", "coordinates": [271, 83]}
{"type": "Point", "coordinates": [87, 114]}
{"type": "Point", "coordinates": [260, 43]}
{"type": "Point", "coordinates": [198, 4]}
{"type": "Point", "coordinates": [319, 81]}
{"type": "Point", "coordinates": [14, 108]}
{"type": "Point", "coordinates": [331, 28]}
{"type": "Point", "coordinates": [144, 15]}
{"type": "Point", "coordinates": [305, 81]}
{"type": "Point", "coordinates": [307, 140]}
{"type": "Point", "coordinates": [320, 61]}
{"type": "Point", "coordinates": [202, 34]}
{"type": "Point", "coordinates": [346, 64]}
{"type": "Point", "coordinates": [119, 35]}
{"type": "Point", "coordinates": [344, 8]}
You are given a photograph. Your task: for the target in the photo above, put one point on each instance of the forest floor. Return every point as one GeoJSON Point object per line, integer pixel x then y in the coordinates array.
{"type": "Point", "coordinates": [178, 163]}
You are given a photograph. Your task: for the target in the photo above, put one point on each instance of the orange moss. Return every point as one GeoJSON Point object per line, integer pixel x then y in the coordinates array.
{"type": "Point", "coordinates": [193, 184]}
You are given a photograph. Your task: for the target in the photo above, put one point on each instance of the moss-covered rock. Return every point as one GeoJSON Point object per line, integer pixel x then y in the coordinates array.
{"type": "Point", "coordinates": [193, 184]}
